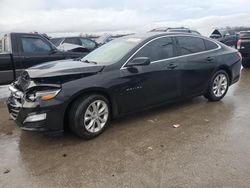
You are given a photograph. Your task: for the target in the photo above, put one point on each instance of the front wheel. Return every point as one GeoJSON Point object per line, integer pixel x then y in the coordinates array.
{"type": "Point", "coordinates": [218, 86]}
{"type": "Point", "coordinates": [89, 116]}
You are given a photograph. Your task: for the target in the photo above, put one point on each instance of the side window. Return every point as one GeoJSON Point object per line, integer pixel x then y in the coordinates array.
{"type": "Point", "coordinates": [210, 45]}
{"type": "Point", "coordinates": [34, 45]}
{"type": "Point", "coordinates": [72, 41]}
{"type": "Point", "coordinates": [189, 45]}
{"type": "Point", "coordinates": [158, 49]}
{"type": "Point", "coordinates": [88, 43]}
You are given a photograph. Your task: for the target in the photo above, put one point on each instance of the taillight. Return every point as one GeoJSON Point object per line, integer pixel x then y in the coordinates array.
{"type": "Point", "coordinates": [238, 44]}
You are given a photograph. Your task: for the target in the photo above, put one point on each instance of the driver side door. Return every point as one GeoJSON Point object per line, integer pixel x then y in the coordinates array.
{"type": "Point", "coordinates": [147, 85]}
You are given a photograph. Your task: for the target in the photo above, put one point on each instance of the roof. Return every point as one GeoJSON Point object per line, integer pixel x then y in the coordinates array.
{"type": "Point", "coordinates": [156, 34]}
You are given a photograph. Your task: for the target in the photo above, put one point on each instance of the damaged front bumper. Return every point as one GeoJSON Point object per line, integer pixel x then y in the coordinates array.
{"type": "Point", "coordinates": [35, 116]}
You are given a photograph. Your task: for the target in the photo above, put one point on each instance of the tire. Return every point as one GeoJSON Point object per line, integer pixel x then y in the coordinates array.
{"type": "Point", "coordinates": [84, 111]}
{"type": "Point", "coordinates": [214, 94]}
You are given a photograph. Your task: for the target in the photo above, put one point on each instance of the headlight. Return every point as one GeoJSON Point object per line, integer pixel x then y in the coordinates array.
{"type": "Point", "coordinates": [43, 95]}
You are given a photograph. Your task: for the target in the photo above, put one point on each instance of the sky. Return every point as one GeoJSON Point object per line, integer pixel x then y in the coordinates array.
{"type": "Point", "coordinates": [119, 16]}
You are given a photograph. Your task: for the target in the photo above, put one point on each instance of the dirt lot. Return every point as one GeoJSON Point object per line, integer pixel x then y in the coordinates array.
{"type": "Point", "coordinates": [210, 149]}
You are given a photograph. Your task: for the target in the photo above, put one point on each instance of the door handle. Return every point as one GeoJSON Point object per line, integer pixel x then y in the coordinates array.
{"type": "Point", "coordinates": [209, 59]}
{"type": "Point", "coordinates": [171, 66]}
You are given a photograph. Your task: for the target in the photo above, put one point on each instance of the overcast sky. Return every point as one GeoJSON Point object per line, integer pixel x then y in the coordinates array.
{"type": "Point", "coordinates": [91, 16]}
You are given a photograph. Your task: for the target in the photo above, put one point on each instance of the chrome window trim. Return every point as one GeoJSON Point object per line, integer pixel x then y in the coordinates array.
{"type": "Point", "coordinates": [219, 47]}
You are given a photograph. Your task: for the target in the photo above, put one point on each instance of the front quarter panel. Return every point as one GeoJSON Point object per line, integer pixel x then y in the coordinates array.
{"type": "Point", "coordinates": [103, 82]}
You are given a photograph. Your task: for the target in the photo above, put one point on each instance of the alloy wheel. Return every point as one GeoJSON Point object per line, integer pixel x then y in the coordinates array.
{"type": "Point", "coordinates": [220, 85]}
{"type": "Point", "coordinates": [96, 116]}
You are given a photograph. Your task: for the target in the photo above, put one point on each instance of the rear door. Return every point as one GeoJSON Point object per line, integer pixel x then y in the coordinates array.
{"type": "Point", "coordinates": [197, 62]}
{"type": "Point", "coordinates": [152, 84]}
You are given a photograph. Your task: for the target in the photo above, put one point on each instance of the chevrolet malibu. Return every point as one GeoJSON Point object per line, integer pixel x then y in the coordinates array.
{"type": "Point", "coordinates": [126, 75]}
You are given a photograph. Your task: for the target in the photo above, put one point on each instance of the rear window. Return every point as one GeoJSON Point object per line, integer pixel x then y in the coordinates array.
{"type": "Point", "coordinates": [210, 45]}
{"type": "Point", "coordinates": [245, 34]}
{"type": "Point", "coordinates": [189, 45]}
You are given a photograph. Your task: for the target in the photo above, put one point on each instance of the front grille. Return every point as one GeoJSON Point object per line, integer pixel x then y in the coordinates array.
{"type": "Point", "coordinates": [14, 110]}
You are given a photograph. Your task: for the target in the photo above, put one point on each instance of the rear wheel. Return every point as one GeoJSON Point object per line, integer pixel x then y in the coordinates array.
{"type": "Point", "coordinates": [89, 116]}
{"type": "Point", "coordinates": [218, 86]}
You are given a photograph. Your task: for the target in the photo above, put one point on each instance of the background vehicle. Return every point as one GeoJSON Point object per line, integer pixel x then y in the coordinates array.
{"type": "Point", "coordinates": [243, 46]}
{"type": "Point", "coordinates": [23, 50]}
{"type": "Point", "coordinates": [228, 37]}
{"type": "Point", "coordinates": [104, 39]}
{"type": "Point", "coordinates": [122, 76]}
{"type": "Point", "coordinates": [175, 29]}
{"type": "Point", "coordinates": [87, 43]}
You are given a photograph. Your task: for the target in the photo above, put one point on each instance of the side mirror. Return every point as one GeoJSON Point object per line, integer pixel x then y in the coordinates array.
{"type": "Point", "coordinates": [139, 61]}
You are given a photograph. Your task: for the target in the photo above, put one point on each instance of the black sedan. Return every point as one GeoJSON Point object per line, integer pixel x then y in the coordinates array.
{"type": "Point", "coordinates": [126, 75]}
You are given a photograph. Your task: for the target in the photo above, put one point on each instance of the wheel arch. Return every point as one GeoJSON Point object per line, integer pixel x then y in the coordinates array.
{"type": "Point", "coordinates": [89, 91]}
{"type": "Point", "coordinates": [227, 70]}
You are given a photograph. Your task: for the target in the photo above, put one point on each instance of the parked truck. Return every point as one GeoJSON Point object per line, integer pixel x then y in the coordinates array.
{"type": "Point", "coordinates": [23, 50]}
{"type": "Point", "coordinates": [243, 46]}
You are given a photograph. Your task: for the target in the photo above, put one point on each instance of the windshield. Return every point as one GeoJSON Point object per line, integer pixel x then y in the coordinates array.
{"type": "Point", "coordinates": [112, 51]}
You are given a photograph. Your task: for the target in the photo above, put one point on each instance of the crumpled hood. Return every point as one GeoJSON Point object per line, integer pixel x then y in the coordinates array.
{"type": "Point", "coordinates": [61, 68]}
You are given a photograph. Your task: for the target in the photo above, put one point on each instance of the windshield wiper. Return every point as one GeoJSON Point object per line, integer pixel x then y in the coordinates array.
{"type": "Point", "coordinates": [87, 61]}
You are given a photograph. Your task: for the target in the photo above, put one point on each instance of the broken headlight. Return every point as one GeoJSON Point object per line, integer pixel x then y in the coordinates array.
{"type": "Point", "coordinates": [44, 95]}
